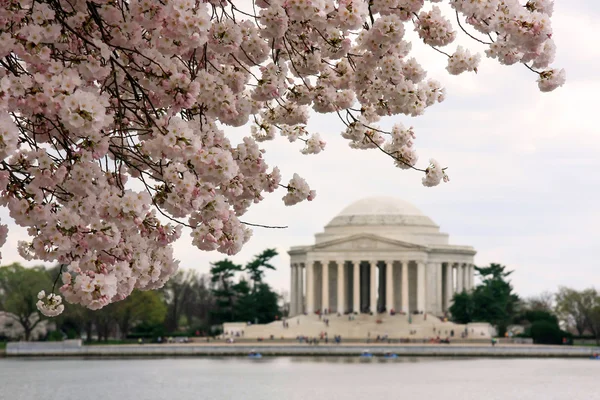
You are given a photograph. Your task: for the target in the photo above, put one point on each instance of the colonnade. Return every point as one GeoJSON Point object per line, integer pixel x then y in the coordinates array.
{"type": "Point", "coordinates": [340, 286]}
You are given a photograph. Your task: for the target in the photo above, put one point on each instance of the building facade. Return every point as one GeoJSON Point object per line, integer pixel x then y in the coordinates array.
{"type": "Point", "coordinates": [379, 254]}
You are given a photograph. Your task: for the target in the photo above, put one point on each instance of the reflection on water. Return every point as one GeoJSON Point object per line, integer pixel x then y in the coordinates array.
{"type": "Point", "coordinates": [299, 378]}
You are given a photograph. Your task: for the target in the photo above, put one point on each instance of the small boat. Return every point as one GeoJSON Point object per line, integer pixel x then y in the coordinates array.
{"type": "Point", "coordinates": [366, 354]}
{"type": "Point", "coordinates": [254, 354]}
{"type": "Point", "coordinates": [390, 355]}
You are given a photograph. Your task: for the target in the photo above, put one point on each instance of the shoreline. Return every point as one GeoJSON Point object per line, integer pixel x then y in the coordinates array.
{"type": "Point", "coordinates": [21, 350]}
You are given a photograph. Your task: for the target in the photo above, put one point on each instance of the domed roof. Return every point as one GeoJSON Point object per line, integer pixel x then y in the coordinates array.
{"type": "Point", "coordinates": [380, 206]}
{"type": "Point", "coordinates": [381, 211]}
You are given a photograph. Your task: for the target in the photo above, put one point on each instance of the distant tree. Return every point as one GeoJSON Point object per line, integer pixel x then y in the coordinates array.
{"type": "Point", "coordinates": [546, 332]}
{"type": "Point", "coordinates": [461, 309]}
{"type": "Point", "coordinates": [492, 301]}
{"type": "Point", "coordinates": [594, 321]}
{"type": "Point", "coordinates": [536, 308]}
{"type": "Point", "coordinates": [105, 323]}
{"type": "Point", "coordinates": [573, 307]}
{"type": "Point", "coordinates": [178, 292]}
{"type": "Point", "coordinates": [222, 274]}
{"type": "Point", "coordinates": [19, 287]}
{"type": "Point", "coordinates": [245, 302]}
{"type": "Point", "coordinates": [199, 302]}
{"type": "Point", "coordinates": [140, 307]}
{"type": "Point", "coordinates": [528, 317]}
{"type": "Point", "coordinates": [542, 302]}
{"type": "Point", "coordinates": [266, 302]}
{"type": "Point", "coordinates": [72, 322]}
{"type": "Point", "coordinates": [256, 268]}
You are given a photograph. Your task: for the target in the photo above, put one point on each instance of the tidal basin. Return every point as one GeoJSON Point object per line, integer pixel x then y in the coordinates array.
{"type": "Point", "coordinates": [291, 378]}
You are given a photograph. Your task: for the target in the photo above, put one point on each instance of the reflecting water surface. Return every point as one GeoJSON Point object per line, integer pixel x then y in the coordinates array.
{"type": "Point", "coordinates": [299, 379]}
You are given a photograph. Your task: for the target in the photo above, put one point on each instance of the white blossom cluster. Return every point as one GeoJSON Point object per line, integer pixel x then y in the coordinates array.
{"type": "Point", "coordinates": [50, 305]}
{"type": "Point", "coordinates": [462, 60]}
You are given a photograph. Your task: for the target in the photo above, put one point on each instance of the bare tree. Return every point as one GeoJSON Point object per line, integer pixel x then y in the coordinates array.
{"type": "Point", "coordinates": [542, 302]}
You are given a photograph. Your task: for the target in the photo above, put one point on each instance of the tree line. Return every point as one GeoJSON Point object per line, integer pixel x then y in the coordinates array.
{"type": "Point", "coordinates": [189, 304]}
{"type": "Point", "coordinates": [192, 303]}
{"type": "Point", "coordinates": [549, 318]}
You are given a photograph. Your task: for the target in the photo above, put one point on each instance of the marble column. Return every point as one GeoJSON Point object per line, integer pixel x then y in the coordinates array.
{"type": "Point", "coordinates": [439, 288]}
{"type": "Point", "coordinates": [404, 286]}
{"type": "Point", "coordinates": [465, 268]}
{"type": "Point", "coordinates": [310, 287]}
{"type": "Point", "coordinates": [421, 286]}
{"type": "Point", "coordinates": [293, 290]}
{"type": "Point", "coordinates": [341, 298]}
{"type": "Point", "coordinates": [325, 287]}
{"type": "Point", "coordinates": [449, 286]}
{"type": "Point", "coordinates": [471, 276]}
{"type": "Point", "coordinates": [459, 278]}
{"type": "Point", "coordinates": [389, 285]}
{"type": "Point", "coordinates": [373, 291]}
{"type": "Point", "coordinates": [356, 289]}
{"type": "Point", "coordinates": [299, 289]}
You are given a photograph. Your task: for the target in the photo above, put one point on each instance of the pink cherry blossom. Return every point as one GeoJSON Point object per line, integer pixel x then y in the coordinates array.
{"type": "Point", "coordinates": [114, 115]}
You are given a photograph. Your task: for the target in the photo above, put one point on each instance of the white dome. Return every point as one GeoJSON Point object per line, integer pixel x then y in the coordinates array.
{"type": "Point", "coordinates": [388, 217]}
{"type": "Point", "coordinates": [390, 212]}
{"type": "Point", "coordinates": [380, 206]}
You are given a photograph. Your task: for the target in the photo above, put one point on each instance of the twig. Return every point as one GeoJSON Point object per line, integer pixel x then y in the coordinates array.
{"type": "Point", "coordinates": [264, 226]}
{"type": "Point", "coordinates": [57, 276]}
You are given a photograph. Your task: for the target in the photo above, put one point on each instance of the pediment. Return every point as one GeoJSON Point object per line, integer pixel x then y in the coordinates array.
{"type": "Point", "coordinates": [366, 242]}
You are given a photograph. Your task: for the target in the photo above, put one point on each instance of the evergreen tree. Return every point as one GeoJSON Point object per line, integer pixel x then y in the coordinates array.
{"type": "Point", "coordinates": [494, 300]}
{"type": "Point", "coordinates": [222, 274]}
{"type": "Point", "coordinates": [462, 308]}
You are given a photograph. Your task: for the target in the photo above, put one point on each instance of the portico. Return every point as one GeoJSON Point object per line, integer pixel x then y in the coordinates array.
{"type": "Point", "coordinates": [379, 255]}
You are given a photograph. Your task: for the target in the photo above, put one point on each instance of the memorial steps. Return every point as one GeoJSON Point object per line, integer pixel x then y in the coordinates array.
{"type": "Point", "coordinates": [362, 326]}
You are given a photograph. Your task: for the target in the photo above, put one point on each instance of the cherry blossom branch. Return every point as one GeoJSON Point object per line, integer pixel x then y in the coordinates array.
{"type": "Point", "coordinates": [264, 226]}
{"type": "Point", "coordinates": [112, 116]}
{"type": "Point", "coordinates": [467, 33]}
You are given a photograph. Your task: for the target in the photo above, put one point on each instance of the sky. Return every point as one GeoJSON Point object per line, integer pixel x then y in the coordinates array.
{"type": "Point", "coordinates": [523, 165]}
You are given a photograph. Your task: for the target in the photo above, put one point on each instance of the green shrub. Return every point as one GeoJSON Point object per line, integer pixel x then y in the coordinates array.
{"type": "Point", "coordinates": [546, 332]}
{"type": "Point", "coordinates": [55, 336]}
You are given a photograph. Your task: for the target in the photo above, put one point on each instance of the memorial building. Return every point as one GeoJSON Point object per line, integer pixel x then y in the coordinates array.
{"type": "Point", "coordinates": [379, 255]}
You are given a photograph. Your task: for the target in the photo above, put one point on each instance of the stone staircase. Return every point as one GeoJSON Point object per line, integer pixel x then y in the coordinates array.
{"type": "Point", "coordinates": [362, 326]}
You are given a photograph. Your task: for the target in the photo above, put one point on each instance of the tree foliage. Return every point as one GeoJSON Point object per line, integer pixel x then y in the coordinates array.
{"type": "Point", "coordinates": [574, 307]}
{"type": "Point", "coordinates": [546, 332]}
{"type": "Point", "coordinates": [242, 300]}
{"type": "Point", "coordinates": [580, 309]}
{"type": "Point", "coordinates": [542, 302]}
{"type": "Point", "coordinates": [19, 287]}
{"type": "Point", "coordinates": [188, 303]}
{"type": "Point", "coordinates": [462, 308]}
{"type": "Point", "coordinates": [187, 295]}
{"type": "Point", "coordinates": [141, 307]}
{"type": "Point", "coordinates": [492, 301]}
{"type": "Point", "coordinates": [257, 267]}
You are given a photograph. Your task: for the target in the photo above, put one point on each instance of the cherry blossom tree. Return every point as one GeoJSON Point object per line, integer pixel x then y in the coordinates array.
{"type": "Point", "coordinates": [113, 114]}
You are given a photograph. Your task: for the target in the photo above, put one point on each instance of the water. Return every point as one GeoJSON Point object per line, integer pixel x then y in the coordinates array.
{"type": "Point", "coordinates": [299, 379]}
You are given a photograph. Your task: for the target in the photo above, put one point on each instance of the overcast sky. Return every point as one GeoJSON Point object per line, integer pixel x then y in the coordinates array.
{"type": "Point", "coordinates": [524, 169]}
